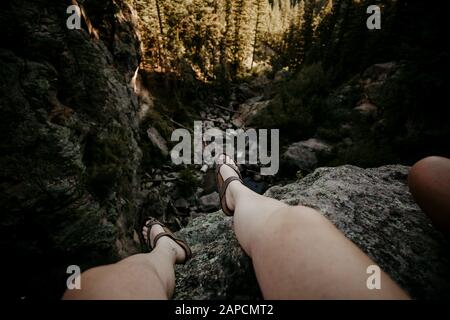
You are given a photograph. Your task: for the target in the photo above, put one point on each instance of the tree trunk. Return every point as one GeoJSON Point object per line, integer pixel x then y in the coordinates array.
{"type": "Point", "coordinates": [161, 31]}
{"type": "Point", "coordinates": [258, 17]}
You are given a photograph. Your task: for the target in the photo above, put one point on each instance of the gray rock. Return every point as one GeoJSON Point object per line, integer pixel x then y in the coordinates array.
{"type": "Point", "coordinates": [303, 155]}
{"type": "Point", "coordinates": [380, 72]}
{"type": "Point", "coordinates": [209, 202]}
{"type": "Point", "coordinates": [249, 110]}
{"type": "Point", "coordinates": [372, 207]}
{"type": "Point", "coordinates": [376, 77]}
{"type": "Point", "coordinates": [181, 204]}
{"type": "Point", "coordinates": [158, 141]}
{"type": "Point", "coordinates": [219, 268]}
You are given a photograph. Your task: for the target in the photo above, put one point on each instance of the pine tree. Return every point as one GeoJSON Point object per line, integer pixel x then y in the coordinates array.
{"type": "Point", "coordinates": [226, 42]}
{"type": "Point", "coordinates": [150, 33]}
{"type": "Point", "coordinates": [161, 35]}
{"type": "Point", "coordinates": [326, 31]}
{"type": "Point", "coordinates": [260, 9]}
{"type": "Point", "coordinates": [307, 25]}
{"type": "Point", "coordinates": [239, 15]}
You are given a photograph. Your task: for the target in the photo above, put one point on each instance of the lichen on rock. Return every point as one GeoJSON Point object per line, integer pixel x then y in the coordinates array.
{"type": "Point", "coordinates": [372, 207]}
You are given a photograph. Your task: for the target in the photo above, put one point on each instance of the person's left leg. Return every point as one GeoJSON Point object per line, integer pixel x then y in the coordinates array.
{"type": "Point", "coordinates": [429, 183]}
{"type": "Point", "coordinates": [142, 276]}
{"type": "Point", "coordinates": [296, 252]}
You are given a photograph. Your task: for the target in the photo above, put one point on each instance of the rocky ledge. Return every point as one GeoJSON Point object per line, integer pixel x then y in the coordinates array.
{"type": "Point", "coordinates": [372, 207]}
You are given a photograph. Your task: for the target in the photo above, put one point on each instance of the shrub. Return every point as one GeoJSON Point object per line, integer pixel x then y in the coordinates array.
{"type": "Point", "coordinates": [299, 105]}
{"type": "Point", "coordinates": [187, 183]}
{"type": "Point", "coordinates": [106, 157]}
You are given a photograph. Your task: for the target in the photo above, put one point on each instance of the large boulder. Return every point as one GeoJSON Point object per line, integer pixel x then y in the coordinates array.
{"type": "Point", "coordinates": [304, 155]}
{"type": "Point", "coordinates": [158, 141]}
{"type": "Point", "coordinates": [209, 202]}
{"type": "Point", "coordinates": [219, 268]}
{"type": "Point", "coordinates": [249, 110]}
{"type": "Point", "coordinates": [372, 207]}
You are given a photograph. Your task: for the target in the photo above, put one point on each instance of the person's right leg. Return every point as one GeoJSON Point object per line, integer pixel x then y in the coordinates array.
{"type": "Point", "coordinates": [138, 277]}
{"type": "Point", "coordinates": [299, 254]}
{"type": "Point", "coordinates": [429, 183]}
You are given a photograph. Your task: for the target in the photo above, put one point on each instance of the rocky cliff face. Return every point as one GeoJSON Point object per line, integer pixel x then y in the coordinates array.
{"type": "Point", "coordinates": [69, 151]}
{"type": "Point", "coordinates": [372, 207]}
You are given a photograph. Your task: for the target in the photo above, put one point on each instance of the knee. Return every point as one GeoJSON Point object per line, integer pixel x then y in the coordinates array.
{"type": "Point", "coordinates": [425, 168]}
{"type": "Point", "coordinates": [288, 222]}
{"type": "Point", "coordinates": [425, 172]}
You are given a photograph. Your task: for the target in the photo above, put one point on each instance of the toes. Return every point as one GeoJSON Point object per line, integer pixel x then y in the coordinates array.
{"type": "Point", "coordinates": [221, 159]}
{"type": "Point", "coordinates": [228, 159]}
{"type": "Point", "coordinates": [225, 159]}
{"type": "Point", "coordinates": [145, 230]}
{"type": "Point", "coordinates": [227, 172]}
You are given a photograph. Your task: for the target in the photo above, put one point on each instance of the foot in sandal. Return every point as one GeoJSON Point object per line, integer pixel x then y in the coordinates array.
{"type": "Point", "coordinates": [227, 172]}
{"type": "Point", "coordinates": [155, 233]}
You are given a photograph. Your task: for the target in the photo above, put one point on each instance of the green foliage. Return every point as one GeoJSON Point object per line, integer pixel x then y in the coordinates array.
{"type": "Point", "coordinates": [217, 39]}
{"type": "Point", "coordinates": [365, 153]}
{"type": "Point", "coordinates": [187, 182]}
{"type": "Point", "coordinates": [200, 47]}
{"type": "Point", "coordinates": [408, 125]}
{"type": "Point", "coordinates": [106, 158]}
{"type": "Point", "coordinates": [299, 102]}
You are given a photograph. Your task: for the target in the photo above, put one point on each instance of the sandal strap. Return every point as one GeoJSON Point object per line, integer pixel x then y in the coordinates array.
{"type": "Point", "coordinates": [228, 165]}
{"type": "Point", "coordinates": [181, 243]}
{"type": "Point", "coordinates": [222, 193]}
{"type": "Point", "coordinates": [225, 185]}
{"type": "Point", "coordinates": [159, 236]}
{"type": "Point", "coordinates": [150, 223]}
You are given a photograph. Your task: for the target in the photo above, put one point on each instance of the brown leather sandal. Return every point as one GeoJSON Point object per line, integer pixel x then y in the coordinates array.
{"type": "Point", "coordinates": [223, 185]}
{"type": "Point", "coordinates": [149, 222]}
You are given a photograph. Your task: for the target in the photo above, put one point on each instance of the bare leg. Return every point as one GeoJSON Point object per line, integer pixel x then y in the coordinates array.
{"type": "Point", "coordinates": [299, 254]}
{"type": "Point", "coordinates": [142, 276]}
{"type": "Point", "coordinates": [429, 182]}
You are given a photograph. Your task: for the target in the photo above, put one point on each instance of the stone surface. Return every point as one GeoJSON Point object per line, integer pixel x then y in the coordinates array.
{"type": "Point", "coordinates": [69, 149]}
{"type": "Point", "coordinates": [304, 155]}
{"type": "Point", "coordinates": [249, 110]}
{"type": "Point", "coordinates": [372, 207]}
{"type": "Point", "coordinates": [209, 202]}
{"type": "Point", "coordinates": [219, 268]}
{"type": "Point", "coordinates": [158, 141]}
{"type": "Point", "coordinates": [181, 204]}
